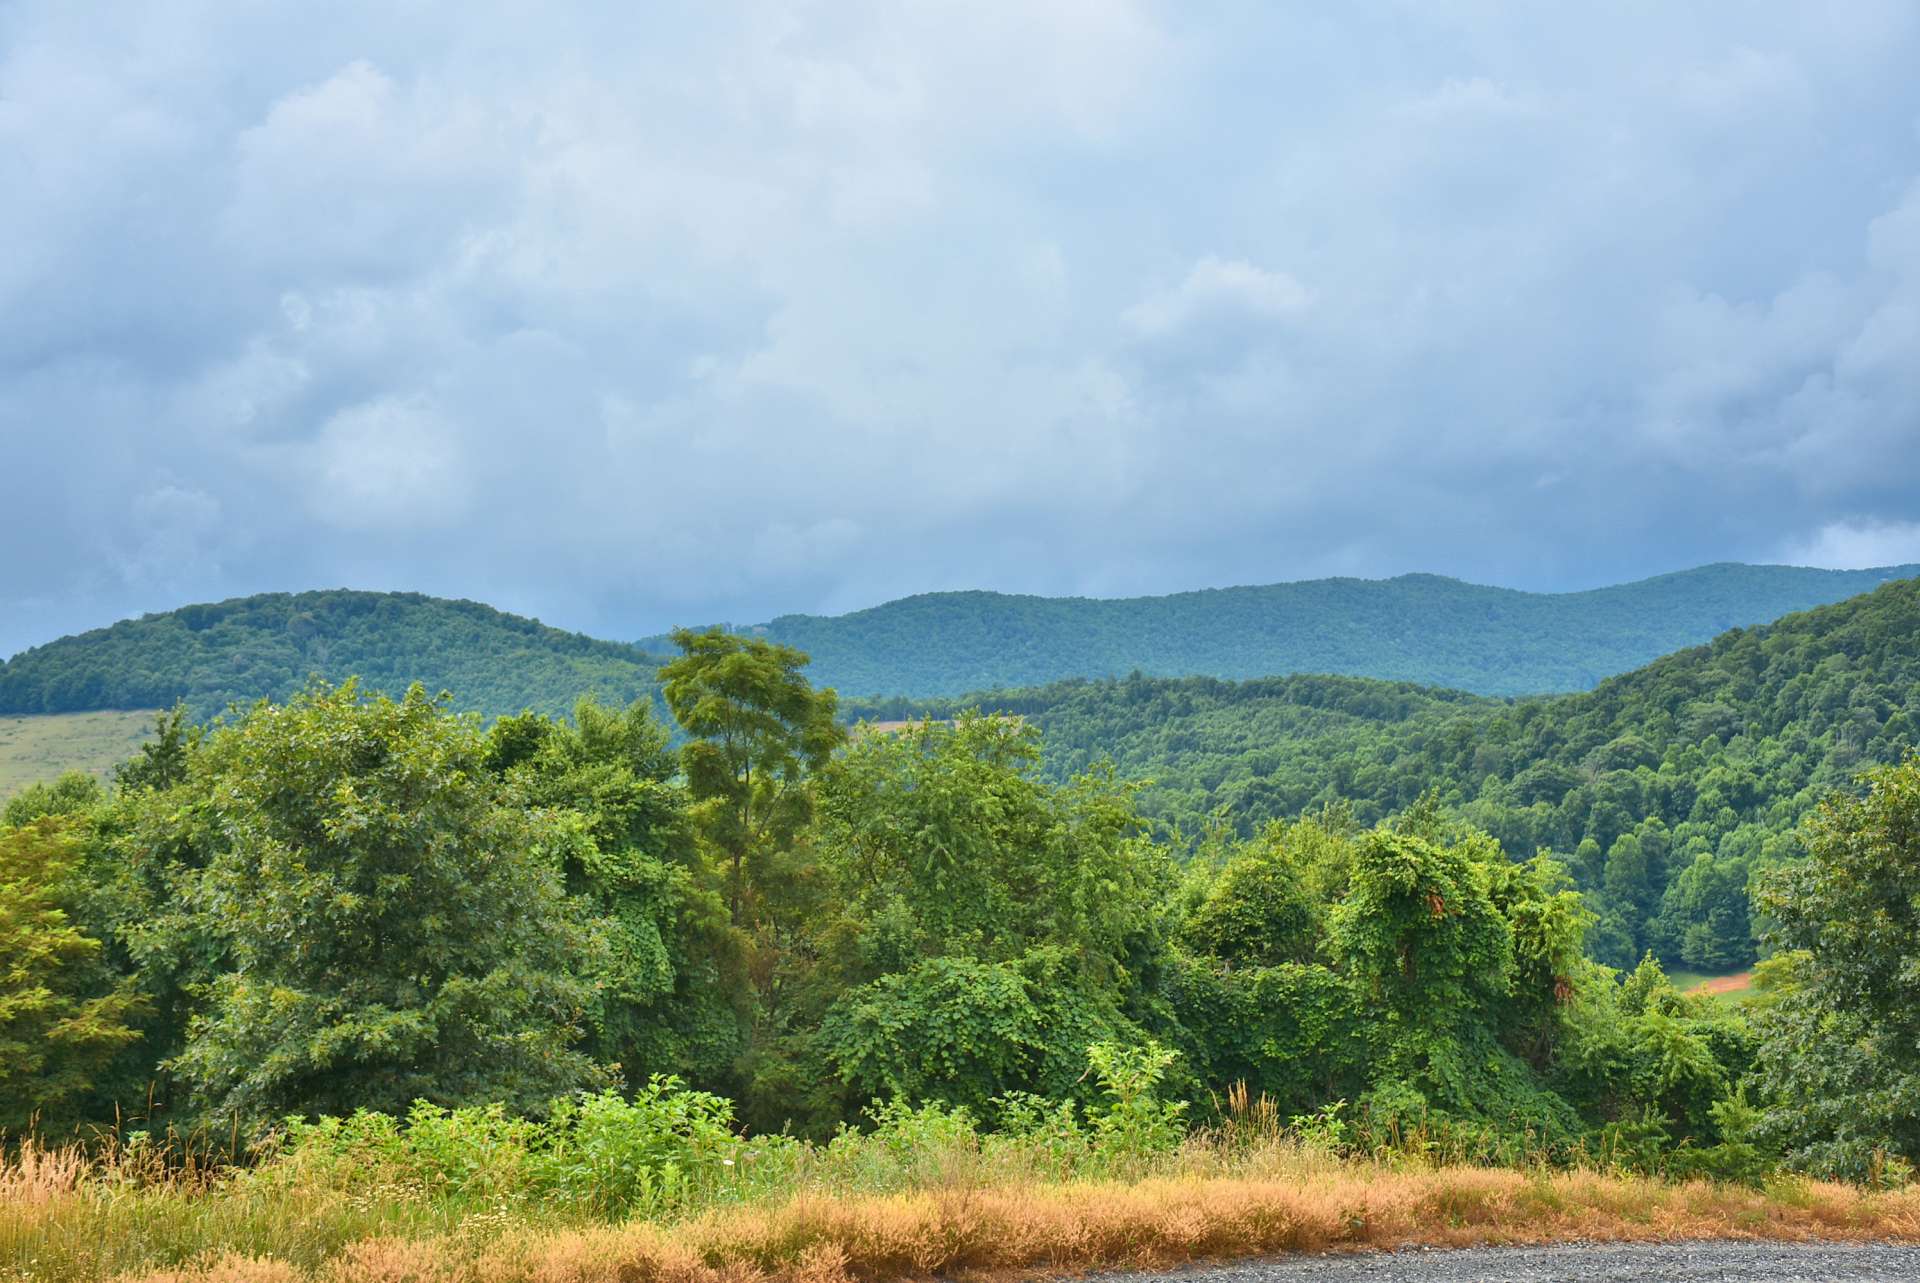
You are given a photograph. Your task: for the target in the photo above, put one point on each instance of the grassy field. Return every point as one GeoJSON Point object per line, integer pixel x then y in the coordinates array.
{"type": "Point", "coordinates": [33, 749]}
{"type": "Point", "coordinates": [1731, 988]}
{"type": "Point", "coordinates": [866, 1211]}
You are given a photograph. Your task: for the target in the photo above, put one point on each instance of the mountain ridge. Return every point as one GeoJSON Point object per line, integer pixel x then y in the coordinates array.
{"type": "Point", "coordinates": [1424, 628]}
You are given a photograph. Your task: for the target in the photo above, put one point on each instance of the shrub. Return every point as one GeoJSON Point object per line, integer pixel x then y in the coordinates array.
{"type": "Point", "coordinates": [1133, 1122]}
{"type": "Point", "coordinates": [649, 1154]}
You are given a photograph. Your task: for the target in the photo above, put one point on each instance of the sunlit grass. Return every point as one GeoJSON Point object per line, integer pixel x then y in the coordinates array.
{"type": "Point", "coordinates": [41, 748]}
{"type": "Point", "coordinates": [865, 1211]}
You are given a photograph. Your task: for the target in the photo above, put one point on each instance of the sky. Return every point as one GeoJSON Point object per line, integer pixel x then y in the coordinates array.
{"type": "Point", "coordinates": [633, 315]}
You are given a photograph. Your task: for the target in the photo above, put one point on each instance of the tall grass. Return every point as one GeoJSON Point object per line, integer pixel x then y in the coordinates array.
{"type": "Point", "coordinates": [923, 1193]}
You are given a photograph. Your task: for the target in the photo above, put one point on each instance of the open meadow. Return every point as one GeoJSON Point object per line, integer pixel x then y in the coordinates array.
{"type": "Point", "coordinates": [39, 748]}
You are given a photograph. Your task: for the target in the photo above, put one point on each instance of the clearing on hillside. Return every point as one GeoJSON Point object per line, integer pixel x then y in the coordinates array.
{"type": "Point", "coordinates": [46, 745]}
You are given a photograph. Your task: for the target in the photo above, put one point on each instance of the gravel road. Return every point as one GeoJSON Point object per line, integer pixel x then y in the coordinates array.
{"type": "Point", "coordinates": [1585, 1263]}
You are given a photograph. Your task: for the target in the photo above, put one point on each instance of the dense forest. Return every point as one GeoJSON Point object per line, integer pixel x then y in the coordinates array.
{"type": "Point", "coordinates": [1665, 790]}
{"type": "Point", "coordinates": [329, 914]}
{"type": "Point", "coordinates": [1416, 628]}
{"type": "Point", "coordinates": [267, 646]}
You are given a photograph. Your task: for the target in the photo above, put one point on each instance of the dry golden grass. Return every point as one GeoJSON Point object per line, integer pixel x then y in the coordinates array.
{"type": "Point", "coordinates": [1300, 1203]}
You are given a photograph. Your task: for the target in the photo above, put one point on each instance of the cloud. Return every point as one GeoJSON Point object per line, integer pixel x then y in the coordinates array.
{"type": "Point", "coordinates": [1217, 287]}
{"type": "Point", "coordinates": [387, 465]}
{"type": "Point", "coordinates": [1859, 545]}
{"type": "Point", "coordinates": [630, 318]}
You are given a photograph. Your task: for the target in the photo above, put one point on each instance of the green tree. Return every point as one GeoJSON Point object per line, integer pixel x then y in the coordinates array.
{"type": "Point", "coordinates": [1837, 1055]}
{"type": "Point", "coordinates": [759, 729]}
{"type": "Point", "coordinates": [980, 926]}
{"type": "Point", "coordinates": [63, 1015]}
{"type": "Point", "coordinates": [663, 969]}
{"type": "Point", "coordinates": [393, 932]}
{"type": "Point", "coordinates": [72, 794]}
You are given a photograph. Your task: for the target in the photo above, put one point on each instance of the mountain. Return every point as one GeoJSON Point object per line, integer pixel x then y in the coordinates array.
{"type": "Point", "coordinates": [1416, 628]}
{"type": "Point", "coordinates": [267, 646]}
{"type": "Point", "coordinates": [1666, 788]}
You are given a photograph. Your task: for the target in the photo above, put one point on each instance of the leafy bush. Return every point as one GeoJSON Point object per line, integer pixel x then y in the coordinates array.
{"type": "Point", "coordinates": [601, 1154]}
{"type": "Point", "coordinates": [652, 1153]}
{"type": "Point", "coordinates": [1133, 1122]}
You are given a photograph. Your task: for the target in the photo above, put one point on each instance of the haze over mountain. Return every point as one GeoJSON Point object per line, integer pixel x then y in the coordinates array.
{"type": "Point", "coordinates": [1416, 628]}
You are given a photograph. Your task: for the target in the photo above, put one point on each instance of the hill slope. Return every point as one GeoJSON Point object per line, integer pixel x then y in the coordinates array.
{"type": "Point", "coordinates": [268, 645]}
{"type": "Point", "coordinates": [1417, 628]}
{"type": "Point", "coordinates": [33, 749]}
{"type": "Point", "coordinates": [1665, 788]}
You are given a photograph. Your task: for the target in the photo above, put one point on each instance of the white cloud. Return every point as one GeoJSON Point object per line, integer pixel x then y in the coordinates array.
{"type": "Point", "coordinates": [1858, 545]}
{"type": "Point", "coordinates": [387, 465]}
{"type": "Point", "coordinates": [1219, 288]}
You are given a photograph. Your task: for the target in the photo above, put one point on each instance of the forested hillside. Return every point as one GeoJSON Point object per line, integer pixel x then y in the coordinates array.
{"type": "Point", "coordinates": [1666, 789]}
{"type": "Point", "coordinates": [267, 646]}
{"type": "Point", "coordinates": [1416, 628]}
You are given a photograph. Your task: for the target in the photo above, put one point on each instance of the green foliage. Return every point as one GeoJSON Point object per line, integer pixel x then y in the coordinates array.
{"type": "Point", "coordinates": [351, 903]}
{"type": "Point", "coordinates": [979, 928]}
{"type": "Point", "coordinates": [1260, 909]}
{"type": "Point", "coordinates": [1491, 640]}
{"type": "Point", "coordinates": [63, 1015]}
{"type": "Point", "coordinates": [268, 647]}
{"type": "Point", "coordinates": [656, 954]}
{"type": "Point", "coordinates": [392, 935]}
{"type": "Point", "coordinates": [70, 794]}
{"type": "Point", "coordinates": [640, 1155]}
{"type": "Point", "coordinates": [1715, 752]}
{"type": "Point", "coordinates": [758, 728]}
{"type": "Point", "coordinates": [601, 1155]}
{"type": "Point", "coordinates": [963, 1031]}
{"type": "Point", "coordinates": [949, 839]}
{"type": "Point", "coordinates": [1836, 1055]}
{"type": "Point", "coordinates": [1132, 1122]}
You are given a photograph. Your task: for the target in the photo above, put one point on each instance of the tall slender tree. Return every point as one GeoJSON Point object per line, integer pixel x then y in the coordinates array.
{"type": "Point", "coordinates": [759, 729]}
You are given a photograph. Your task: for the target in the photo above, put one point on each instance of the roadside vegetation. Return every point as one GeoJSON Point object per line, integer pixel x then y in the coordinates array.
{"type": "Point", "coordinates": [472, 1196]}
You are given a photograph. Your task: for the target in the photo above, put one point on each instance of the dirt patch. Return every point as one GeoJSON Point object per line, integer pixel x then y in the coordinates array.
{"type": "Point", "coordinates": [1739, 983]}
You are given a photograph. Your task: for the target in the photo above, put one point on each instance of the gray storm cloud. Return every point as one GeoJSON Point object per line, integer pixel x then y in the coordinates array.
{"type": "Point", "coordinates": [628, 318]}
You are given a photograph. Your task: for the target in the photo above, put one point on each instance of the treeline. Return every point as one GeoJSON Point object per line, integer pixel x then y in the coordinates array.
{"type": "Point", "coordinates": [268, 646]}
{"type": "Point", "coordinates": [347, 902]}
{"type": "Point", "coordinates": [1415, 628]}
{"type": "Point", "coordinates": [1666, 791]}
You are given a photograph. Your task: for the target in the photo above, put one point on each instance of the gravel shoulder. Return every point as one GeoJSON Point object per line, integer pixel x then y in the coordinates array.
{"type": "Point", "coordinates": [1704, 1262]}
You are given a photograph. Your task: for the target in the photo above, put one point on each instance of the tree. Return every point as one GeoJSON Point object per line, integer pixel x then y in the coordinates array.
{"type": "Point", "coordinates": [759, 729]}
{"type": "Point", "coordinates": [63, 1016]}
{"type": "Point", "coordinates": [664, 974]}
{"type": "Point", "coordinates": [72, 794]}
{"type": "Point", "coordinates": [1838, 1046]}
{"type": "Point", "coordinates": [977, 928]}
{"type": "Point", "coordinates": [394, 934]}
{"type": "Point", "coordinates": [162, 761]}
